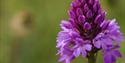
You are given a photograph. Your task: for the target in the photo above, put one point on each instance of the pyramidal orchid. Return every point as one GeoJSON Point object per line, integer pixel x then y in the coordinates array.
{"type": "Point", "coordinates": [88, 31]}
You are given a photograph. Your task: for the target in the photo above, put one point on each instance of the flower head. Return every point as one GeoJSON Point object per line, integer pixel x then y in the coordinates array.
{"type": "Point", "coordinates": [87, 30]}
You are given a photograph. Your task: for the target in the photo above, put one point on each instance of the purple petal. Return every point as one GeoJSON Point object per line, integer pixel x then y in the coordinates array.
{"type": "Point", "coordinates": [87, 26]}
{"type": "Point", "coordinates": [81, 18]}
{"type": "Point", "coordinates": [65, 25]}
{"type": "Point", "coordinates": [107, 41]}
{"type": "Point", "coordinates": [59, 44]}
{"type": "Point", "coordinates": [73, 4]}
{"type": "Point", "coordinates": [63, 36]}
{"type": "Point", "coordinates": [116, 36]}
{"type": "Point", "coordinates": [114, 32]}
{"type": "Point", "coordinates": [86, 8]}
{"type": "Point", "coordinates": [66, 51]}
{"type": "Point", "coordinates": [104, 24]}
{"type": "Point", "coordinates": [97, 44]}
{"type": "Point", "coordinates": [98, 19]}
{"type": "Point", "coordinates": [72, 21]}
{"type": "Point", "coordinates": [63, 43]}
{"type": "Point", "coordinates": [84, 53]}
{"type": "Point", "coordinates": [107, 58]}
{"type": "Point", "coordinates": [71, 14]}
{"type": "Point", "coordinates": [62, 58]}
{"type": "Point", "coordinates": [95, 7]}
{"type": "Point", "coordinates": [87, 42]}
{"type": "Point", "coordinates": [103, 14]}
{"type": "Point", "coordinates": [79, 41]}
{"type": "Point", "coordinates": [80, 1]}
{"type": "Point", "coordinates": [77, 52]}
{"type": "Point", "coordinates": [117, 53]}
{"type": "Point", "coordinates": [71, 57]}
{"type": "Point", "coordinates": [98, 4]}
{"type": "Point", "coordinates": [73, 34]}
{"type": "Point", "coordinates": [113, 59]}
{"type": "Point", "coordinates": [88, 47]}
{"type": "Point", "coordinates": [67, 61]}
{"type": "Point", "coordinates": [89, 14]}
{"type": "Point", "coordinates": [79, 12]}
{"type": "Point", "coordinates": [91, 2]}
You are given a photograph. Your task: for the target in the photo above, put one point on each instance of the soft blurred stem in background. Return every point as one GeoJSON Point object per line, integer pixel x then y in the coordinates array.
{"type": "Point", "coordinates": [21, 26]}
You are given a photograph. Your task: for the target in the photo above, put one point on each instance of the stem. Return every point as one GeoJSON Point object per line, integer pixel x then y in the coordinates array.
{"type": "Point", "coordinates": [92, 58]}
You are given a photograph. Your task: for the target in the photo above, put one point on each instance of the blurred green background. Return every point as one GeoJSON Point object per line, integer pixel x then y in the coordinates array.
{"type": "Point", "coordinates": [28, 29]}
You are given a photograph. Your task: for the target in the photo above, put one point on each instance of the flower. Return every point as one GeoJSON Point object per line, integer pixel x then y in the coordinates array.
{"type": "Point", "coordinates": [88, 31]}
{"type": "Point", "coordinates": [110, 54]}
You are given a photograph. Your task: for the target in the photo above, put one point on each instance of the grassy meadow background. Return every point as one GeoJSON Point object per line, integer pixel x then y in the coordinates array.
{"type": "Point", "coordinates": [28, 29]}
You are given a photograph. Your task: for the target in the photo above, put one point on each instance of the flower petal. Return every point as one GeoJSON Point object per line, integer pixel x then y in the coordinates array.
{"type": "Point", "coordinates": [77, 52]}
{"type": "Point", "coordinates": [88, 47]}
{"type": "Point", "coordinates": [84, 53]}
{"type": "Point", "coordinates": [107, 58]}
{"type": "Point", "coordinates": [62, 58]}
{"type": "Point", "coordinates": [87, 26]}
{"type": "Point", "coordinates": [107, 41]}
{"type": "Point", "coordinates": [117, 53]}
{"type": "Point", "coordinates": [113, 59]}
{"type": "Point", "coordinates": [97, 44]}
{"type": "Point", "coordinates": [65, 25]}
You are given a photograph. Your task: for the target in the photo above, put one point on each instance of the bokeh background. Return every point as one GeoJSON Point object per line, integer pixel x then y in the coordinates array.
{"type": "Point", "coordinates": [28, 29]}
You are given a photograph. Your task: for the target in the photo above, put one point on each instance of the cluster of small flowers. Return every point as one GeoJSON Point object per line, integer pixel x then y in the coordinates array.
{"type": "Point", "coordinates": [88, 30]}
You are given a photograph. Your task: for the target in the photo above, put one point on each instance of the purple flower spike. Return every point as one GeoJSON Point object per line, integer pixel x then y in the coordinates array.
{"type": "Point", "coordinates": [88, 31]}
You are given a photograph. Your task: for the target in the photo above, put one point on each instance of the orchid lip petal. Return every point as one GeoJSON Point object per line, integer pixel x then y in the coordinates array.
{"type": "Point", "coordinates": [84, 53]}
{"type": "Point", "coordinates": [117, 53]}
{"type": "Point", "coordinates": [88, 47]}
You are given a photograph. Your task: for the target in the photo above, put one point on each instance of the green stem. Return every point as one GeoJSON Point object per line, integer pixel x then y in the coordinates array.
{"type": "Point", "coordinates": [92, 58]}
